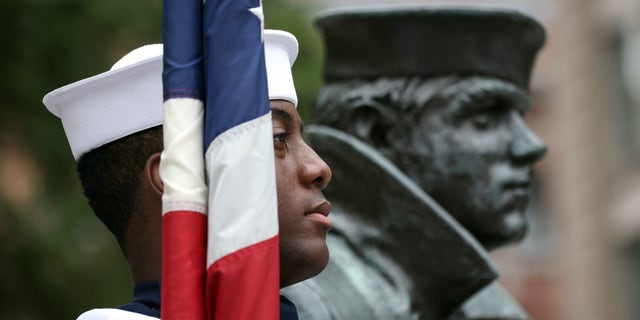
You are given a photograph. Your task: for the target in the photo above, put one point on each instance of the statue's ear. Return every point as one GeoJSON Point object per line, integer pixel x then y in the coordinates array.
{"type": "Point", "coordinates": [371, 124]}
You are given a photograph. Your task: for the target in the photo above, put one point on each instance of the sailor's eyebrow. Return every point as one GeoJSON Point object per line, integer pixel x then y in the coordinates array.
{"type": "Point", "coordinates": [283, 115]}
{"type": "Point", "coordinates": [286, 117]}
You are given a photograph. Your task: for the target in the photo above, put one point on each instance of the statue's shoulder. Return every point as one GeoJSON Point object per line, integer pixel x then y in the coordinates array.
{"type": "Point", "coordinates": [492, 302]}
{"type": "Point", "coordinates": [354, 285]}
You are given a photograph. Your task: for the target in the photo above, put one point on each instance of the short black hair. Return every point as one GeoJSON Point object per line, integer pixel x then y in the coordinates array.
{"type": "Point", "coordinates": [110, 177]}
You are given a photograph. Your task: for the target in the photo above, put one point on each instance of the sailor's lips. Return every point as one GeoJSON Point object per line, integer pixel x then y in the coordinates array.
{"type": "Point", "coordinates": [320, 214]}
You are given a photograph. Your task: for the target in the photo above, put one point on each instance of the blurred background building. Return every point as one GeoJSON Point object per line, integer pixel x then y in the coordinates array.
{"type": "Point", "coordinates": [581, 259]}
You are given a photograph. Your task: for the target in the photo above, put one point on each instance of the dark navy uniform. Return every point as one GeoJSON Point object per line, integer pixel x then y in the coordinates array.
{"type": "Point", "coordinates": [146, 300]}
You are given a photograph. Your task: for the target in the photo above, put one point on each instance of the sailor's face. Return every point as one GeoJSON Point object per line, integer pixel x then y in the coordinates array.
{"type": "Point", "coordinates": [475, 158]}
{"type": "Point", "coordinates": [302, 208]}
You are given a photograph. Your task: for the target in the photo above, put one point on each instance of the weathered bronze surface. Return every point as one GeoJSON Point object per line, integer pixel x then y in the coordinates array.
{"type": "Point", "coordinates": [391, 241]}
{"type": "Point", "coordinates": [426, 107]}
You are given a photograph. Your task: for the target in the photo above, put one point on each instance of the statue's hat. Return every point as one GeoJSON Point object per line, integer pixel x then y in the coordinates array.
{"type": "Point", "coordinates": [370, 42]}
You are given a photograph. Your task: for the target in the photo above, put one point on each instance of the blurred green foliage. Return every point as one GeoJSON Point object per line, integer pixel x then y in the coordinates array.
{"type": "Point", "coordinates": [56, 259]}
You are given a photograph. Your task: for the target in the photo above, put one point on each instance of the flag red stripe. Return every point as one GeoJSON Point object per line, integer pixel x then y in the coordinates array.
{"type": "Point", "coordinates": [245, 283]}
{"type": "Point", "coordinates": [184, 246]}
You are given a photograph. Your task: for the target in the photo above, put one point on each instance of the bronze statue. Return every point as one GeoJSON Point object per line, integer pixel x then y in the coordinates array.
{"type": "Point", "coordinates": [421, 117]}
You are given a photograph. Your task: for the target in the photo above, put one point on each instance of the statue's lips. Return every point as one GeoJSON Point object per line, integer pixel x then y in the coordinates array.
{"type": "Point", "coordinates": [517, 185]}
{"type": "Point", "coordinates": [515, 198]}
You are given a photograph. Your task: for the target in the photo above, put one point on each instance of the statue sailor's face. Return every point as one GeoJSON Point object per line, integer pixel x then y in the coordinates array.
{"type": "Point", "coordinates": [473, 153]}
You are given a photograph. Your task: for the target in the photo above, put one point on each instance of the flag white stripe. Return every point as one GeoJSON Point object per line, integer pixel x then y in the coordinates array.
{"type": "Point", "coordinates": [241, 203]}
{"type": "Point", "coordinates": [182, 163]}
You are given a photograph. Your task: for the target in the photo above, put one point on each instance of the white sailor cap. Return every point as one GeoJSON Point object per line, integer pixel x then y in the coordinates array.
{"type": "Point", "coordinates": [281, 50]}
{"type": "Point", "coordinates": [128, 98]}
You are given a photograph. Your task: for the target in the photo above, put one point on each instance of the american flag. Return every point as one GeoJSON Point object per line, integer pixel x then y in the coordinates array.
{"type": "Point", "coordinates": [220, 239]}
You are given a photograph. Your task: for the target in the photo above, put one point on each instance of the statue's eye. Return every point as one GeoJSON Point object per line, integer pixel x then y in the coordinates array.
{"type": "Point", "coordinates": [484, 121]}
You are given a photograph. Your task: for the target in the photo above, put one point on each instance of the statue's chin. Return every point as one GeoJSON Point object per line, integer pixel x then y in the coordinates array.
{"type": "Point", "coordinates": [512, 228]}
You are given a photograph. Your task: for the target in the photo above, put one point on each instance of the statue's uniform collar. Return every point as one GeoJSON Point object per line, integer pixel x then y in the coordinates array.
{"type": "Point", "coordinates": [382, 213]}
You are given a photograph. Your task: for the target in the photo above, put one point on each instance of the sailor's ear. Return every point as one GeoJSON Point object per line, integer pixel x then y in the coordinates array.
{"type": "Point", "coordinates": [152, 173]}
{"type": "Point", "coordinates": [371, 124]}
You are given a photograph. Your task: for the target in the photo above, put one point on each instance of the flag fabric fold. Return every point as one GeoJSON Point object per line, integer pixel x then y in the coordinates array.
{"type": "Point", "coordinates": [217, 128]}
